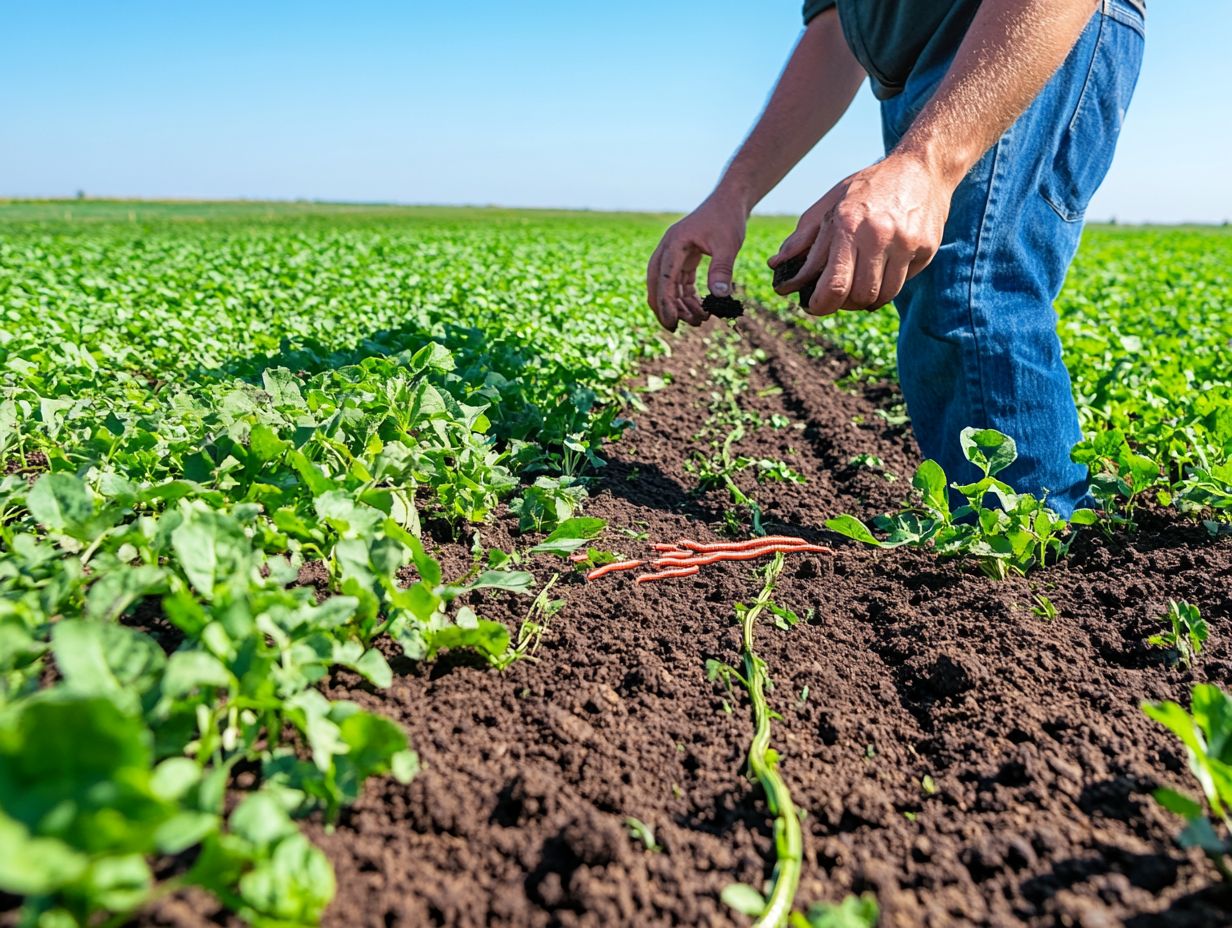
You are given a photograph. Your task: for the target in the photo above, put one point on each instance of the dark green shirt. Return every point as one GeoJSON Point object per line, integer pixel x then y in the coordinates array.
{"type": "Point", "coordinates": [893, 38]}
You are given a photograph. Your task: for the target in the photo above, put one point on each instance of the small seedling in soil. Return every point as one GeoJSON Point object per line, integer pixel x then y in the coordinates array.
{"type": "Point", "coordinates": [1187, 635]}
{"type": "Point", "coordinates": [1005, 531]}
{"type": "Point", "coordinates": [852, 912]}
{"type": "Point", "coordinates": [1044, 608]}
{"type": "Point", "coordinates": [644, 833]}
{"type": "Point", "coordinates": [789, 269]}
{"type": "Point", "coordinates": [1206, 732]}
{"type": "Point", "coordinates": [725, 307]}
{"type": "Point", "coordinates": [773, 909]}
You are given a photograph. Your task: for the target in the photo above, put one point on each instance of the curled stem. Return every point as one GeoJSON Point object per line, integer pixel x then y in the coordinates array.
{"type": "Point", "coordinates": [763, 766]}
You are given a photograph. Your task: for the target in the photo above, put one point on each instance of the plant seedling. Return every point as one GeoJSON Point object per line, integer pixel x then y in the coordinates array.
{"type": "Point", "coordinates": [1206, 732]}
{"type": "Point", "coordinates": [643, 833]}
{"type": "Point", "coordinates": [1044, 608]}
{"type": "Point", "coordinates": [1187, 635]}
{"type": "Point", "coordinates": [1015, 533]}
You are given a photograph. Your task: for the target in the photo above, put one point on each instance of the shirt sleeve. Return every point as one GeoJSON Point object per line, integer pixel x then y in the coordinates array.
{"type": "Point", "coordinates": [813, 7]}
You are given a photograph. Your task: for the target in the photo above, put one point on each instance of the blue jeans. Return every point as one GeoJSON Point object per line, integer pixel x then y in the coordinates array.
{"type": "Point", "coordinates": [977, 343]}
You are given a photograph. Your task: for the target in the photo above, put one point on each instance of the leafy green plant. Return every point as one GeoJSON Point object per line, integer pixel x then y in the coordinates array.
{"type": "Point", "coordinates": [251, 478]}
{"type": "Point", "coordinates": [1207, 490]}
{"type": "Point", "coordinates": [1119, 475]}
{"type": "Point", "coordinates": [1206, 732]}
{"type": "Point", "coordinates": [853, 912]}
{"type": "Point", "coordinates": [1166, 390]}
{"type": "Point", "coordinates": [763, 760]}
{"type": "Point", "coordinates": [643, 833]}
{"type": "Point", "coordinates": [1044, 607]}
{"type": "Point", "coordinates": [1015, 533]}
{"type": "Point", "coordinates": [1187, 632]}
{"type": "Point", "coordinates": [717, 464]}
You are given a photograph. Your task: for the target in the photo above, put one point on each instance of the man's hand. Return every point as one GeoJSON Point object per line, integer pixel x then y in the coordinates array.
{"type": "Point", "coordinates": [868, 235]}
{"type": "Point", "coordinates": [716, 228]}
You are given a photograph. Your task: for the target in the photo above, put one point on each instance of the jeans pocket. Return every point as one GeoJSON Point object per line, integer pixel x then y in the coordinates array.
{"type": "Point", "coordinates": [1085, 148]}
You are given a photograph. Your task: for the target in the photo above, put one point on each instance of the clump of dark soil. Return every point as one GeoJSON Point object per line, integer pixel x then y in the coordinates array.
{"type": "Point", "coordinates": [725, 307]}
{"type": "Point", "coordinates": [789, 269]}
{"type": "Point", "coordinates": [1038, 809]}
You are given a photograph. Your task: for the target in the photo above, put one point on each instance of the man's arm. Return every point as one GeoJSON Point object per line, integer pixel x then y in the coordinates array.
{"type": "Point", "coordinates": [815, 89]}
{"type": "Point", "coordinates": [883, 225]}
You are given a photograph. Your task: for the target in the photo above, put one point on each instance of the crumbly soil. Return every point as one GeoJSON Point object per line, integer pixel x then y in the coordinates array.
{"type": "Point", "coordinates": [1030, 729]}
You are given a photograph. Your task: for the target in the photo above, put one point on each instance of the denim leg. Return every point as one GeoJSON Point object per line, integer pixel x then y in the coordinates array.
{"type": "Point", "coordinates": [977, 342]}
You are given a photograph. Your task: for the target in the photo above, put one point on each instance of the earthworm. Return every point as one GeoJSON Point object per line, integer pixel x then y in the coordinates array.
{"type": "Point", "coordinates": [660, 546]}
{"type": "Point", "coordinates": [739, 555]}
{"type": "Point", "coordinates": [578, 556]}
{"type": "Point", "coordinates": [708, 547]}
{"type": "Point", "coordinates": [614, 566]}
{"type": "Point", "coordinates": [667, 574]}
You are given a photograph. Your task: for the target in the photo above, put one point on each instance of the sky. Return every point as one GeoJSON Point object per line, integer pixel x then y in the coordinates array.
{"type": "Point", "coordinates": [603, 106]}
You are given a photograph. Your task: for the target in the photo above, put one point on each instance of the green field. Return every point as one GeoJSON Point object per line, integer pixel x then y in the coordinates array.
{"type": "Point", "coordinates": [198, 400]}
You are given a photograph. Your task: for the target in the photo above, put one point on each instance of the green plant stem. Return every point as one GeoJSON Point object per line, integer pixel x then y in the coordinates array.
{"type": "Point", "coordinates": [763, 766]}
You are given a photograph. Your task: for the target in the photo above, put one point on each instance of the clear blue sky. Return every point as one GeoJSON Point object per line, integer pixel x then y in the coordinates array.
{"type": "Point", "coordinates": [612, 105]}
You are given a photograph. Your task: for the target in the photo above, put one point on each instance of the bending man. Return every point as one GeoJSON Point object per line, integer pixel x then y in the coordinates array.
{"type": "Point", "coordinates": [999, 120]}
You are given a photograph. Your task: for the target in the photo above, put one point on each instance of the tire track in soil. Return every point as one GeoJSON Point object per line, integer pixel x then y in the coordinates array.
{"type": "Point", "coordinates": [1030, 729]}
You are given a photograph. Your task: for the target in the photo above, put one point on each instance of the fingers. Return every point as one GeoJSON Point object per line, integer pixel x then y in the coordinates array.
{"type": "Point", "coordinates": [665, 314]}
{"type": "Point", "coordinates": [834, 284]}
{"type": "Point", "coordinates": [719, 276]}
{"type": "Point", "coordinates": [661, 291]}
{"type": "Point", "coordinates": [867, 276]}
{"type": "Point", "coordinates": [921, 259]}
{"type": "Point", "coordinates": [797, 243]}
{"type": "Point", "coordinates": [815, 255]}
{"type": "Point", "coordinates": [676, 255]}
{"type": "Point", "coordinates": [694, 314]}
{"type": "Point", "coordinates": [896, 271]}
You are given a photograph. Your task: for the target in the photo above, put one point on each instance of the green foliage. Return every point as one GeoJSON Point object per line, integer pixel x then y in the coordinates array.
{"type": "Point", "coordinates": [1044, 607]}
{"type": "Point", "coordinates": [1015, 533]}
{"type": "Point", "coordinates": [853, 912]}
{"type": "Point", "coordinates": [716, 464]}
{"type": "Point", "coordinates": [193, 414]}
{"type": "Point", "coordinates": [1187, 632]}
{"type": "Point", "coordinates": [774, 909]}
{"type": "Point", "coordinates": [1206, 732]}
{"type": "Point", "coordinates": [643, 833]}
{"type": "Point", "coordinates": [1119, 475]}
{"type": "Point", "coordinates": [1147, 339]}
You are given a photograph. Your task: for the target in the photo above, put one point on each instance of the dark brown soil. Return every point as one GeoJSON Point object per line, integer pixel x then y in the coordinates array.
{"type": "Point", "coordinates": [725, 307]}
{"type": "Point", "coordinates": [1031, 729]}
{"type": "Point", "coordinates": [789, 269]}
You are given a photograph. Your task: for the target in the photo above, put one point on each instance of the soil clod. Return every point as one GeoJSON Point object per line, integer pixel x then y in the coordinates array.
{"type": "Point", "coordinates": [725, 307]}
{"type": "Point", "coordinates": [789, 269]}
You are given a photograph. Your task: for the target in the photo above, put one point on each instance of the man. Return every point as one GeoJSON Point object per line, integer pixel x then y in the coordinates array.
{"type": "Point", "coordinates": [999, 120]}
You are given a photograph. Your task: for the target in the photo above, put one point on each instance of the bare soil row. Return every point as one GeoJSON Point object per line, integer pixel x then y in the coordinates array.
{"type": "Point", "coordinates": [1030, 729]}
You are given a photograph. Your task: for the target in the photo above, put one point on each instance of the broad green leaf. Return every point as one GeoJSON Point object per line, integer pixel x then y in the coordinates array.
{"type": "Point", "coordinates": [852, 912]}
{"type": "Point", "coordinates": [851, 527]}
{"type": "Point", "coordinates": [31, 866]}
{"type": "Point", "coordinates": [744, 899]}
{"type": "Point", "coordinates": [99, 658]}
{"type": "Point", "coordinates": [513, 581]}
{"type": "Point", "coordinates": [260, 819]}
{"type": "Point", "coordinates": [211, 549]}
{"type": "Point", "coordinates": [570, 535]}
{"type": "Point", "coordinates": [1179, 803]}
{"type": "Point", "coordinates": [489, 638]}
{"type": "Point", "coordinates": [988, 449]}
{"type": "Point", "coordinates": [190, 670]}
{"type": "Point", "coordinates": [930, 480]}
{"type": "Point", "coordinates": [62, 503]}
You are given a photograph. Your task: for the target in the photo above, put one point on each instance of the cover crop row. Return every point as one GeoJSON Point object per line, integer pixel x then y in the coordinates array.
{"type": "Point", "coordinates": [192, 414]}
